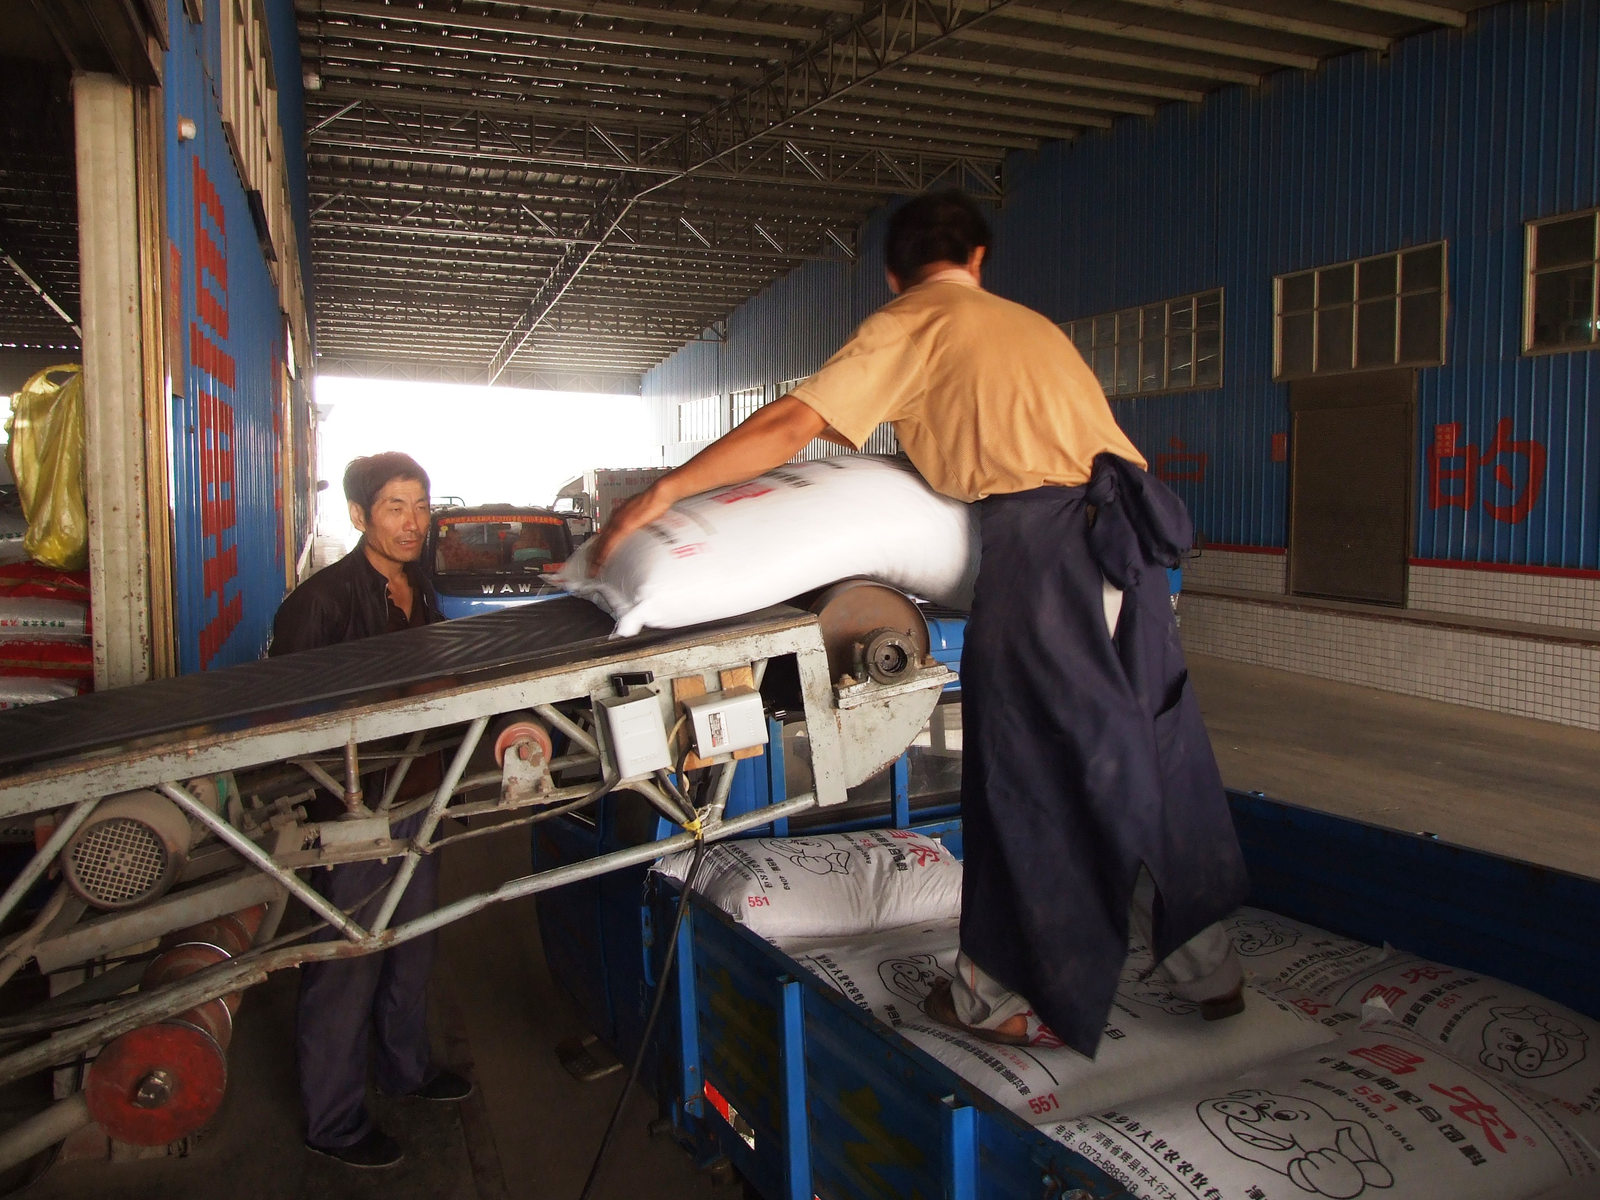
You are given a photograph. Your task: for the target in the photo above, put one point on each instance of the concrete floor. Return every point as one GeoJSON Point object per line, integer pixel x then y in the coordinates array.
{"type": "Point", "coordinates": [1523, 788]}
{"type": "Point", "coordinates": [1513, 786]}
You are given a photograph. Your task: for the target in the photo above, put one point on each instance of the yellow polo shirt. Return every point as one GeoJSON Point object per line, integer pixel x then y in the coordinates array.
{"type": "Point", "coordinates": [986, 396]}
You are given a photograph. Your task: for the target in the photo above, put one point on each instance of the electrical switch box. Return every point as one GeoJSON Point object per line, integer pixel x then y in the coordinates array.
{"type": "Point", "coordinates": [638, 734]}
{"type": "Point", "coordinates": [727, 721]}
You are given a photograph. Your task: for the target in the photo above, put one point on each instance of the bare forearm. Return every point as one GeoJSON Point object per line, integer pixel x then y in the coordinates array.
{"type": "Point", "coordinates": [770, 437]}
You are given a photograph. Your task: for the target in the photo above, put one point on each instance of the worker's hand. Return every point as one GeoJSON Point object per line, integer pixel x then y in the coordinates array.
{"type": "Point", "coordinates": [633, 516]}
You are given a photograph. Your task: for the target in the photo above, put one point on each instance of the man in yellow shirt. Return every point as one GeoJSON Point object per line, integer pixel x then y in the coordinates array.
{"type": "Point", "coordinates": [1090, 795]}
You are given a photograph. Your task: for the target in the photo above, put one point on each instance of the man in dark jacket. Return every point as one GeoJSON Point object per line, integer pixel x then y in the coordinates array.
{"type": "Point", "coordinates": [377, 588]}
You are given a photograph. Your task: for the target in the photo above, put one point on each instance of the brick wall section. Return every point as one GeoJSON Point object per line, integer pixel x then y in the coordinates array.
{"type": "Point", "coordinates": [1507, 596]}
{"type": "Point", "coordinates": [1549, 681]}
{"type": "Point", "coordinates": [1233, 571]}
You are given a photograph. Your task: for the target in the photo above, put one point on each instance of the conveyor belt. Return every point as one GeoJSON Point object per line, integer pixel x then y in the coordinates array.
{"type": "Point", "coordinates": [409, 664]}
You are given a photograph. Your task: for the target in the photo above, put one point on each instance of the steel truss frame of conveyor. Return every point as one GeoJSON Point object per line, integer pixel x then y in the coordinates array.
{"type": "Point", "coordinates": [326, 704]}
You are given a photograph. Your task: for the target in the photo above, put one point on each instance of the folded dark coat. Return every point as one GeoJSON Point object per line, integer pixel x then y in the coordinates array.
{"type": "Point", "coordinates": [1084, 755]}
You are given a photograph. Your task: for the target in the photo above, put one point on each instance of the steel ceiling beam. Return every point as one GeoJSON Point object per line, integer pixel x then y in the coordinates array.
{"type": "Point", "coordinates": [994, 70]}
{"type": "Point", "coordinates": [1129, 31]}
{"type": "Point", "coordinates": [921, 83]}
{"type": "Point", "coordinates": [837, 65]}
{"type": "Point", "coordinates": [587, 35]}
{"type": "Point", "coordinates": [1056, 51]}
{"type": "Point", "coordinates": [1338, 35]}
{"type": "Point", "coordinates": [1434, 14]}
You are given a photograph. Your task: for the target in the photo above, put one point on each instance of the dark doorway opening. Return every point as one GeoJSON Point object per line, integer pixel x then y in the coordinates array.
{"type": "Point", "coordinates": [1351, 486]}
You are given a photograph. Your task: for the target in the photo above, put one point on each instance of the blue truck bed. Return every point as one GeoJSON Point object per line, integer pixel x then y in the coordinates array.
{"type": "Point", "coordinates": [767, 1064]}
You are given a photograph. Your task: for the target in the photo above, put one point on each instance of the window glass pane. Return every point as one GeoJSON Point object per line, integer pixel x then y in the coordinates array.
{"type": "Point", "coordinates": [1180, 361]}
{"type": "Point", "coordinates": [1336, 285]}
{"type": "Point", "coordinates": [1151, 378]}
{"type": "Point", "coordinates": [1299, 292]}
{"type": "Point", "coordinates": [1562, 242]}
{"type": "Point", "coordinates": [1210, 311]}
{"type": "Point", "coordinates": [1083, 336]}
{"type": "Point", "coordinates": [1105, 367]}
{"type": "Point", "coordinates": [1378, 276]}
{"type": "Point", "coordinates": [1375, 334]}
{"type": "Point", "coordinates": [1563, 307]}
{"type": "Point", "coordinates": [1422, 268]}
{"type": "Point", "coordinates": [1128, 365]}
{"type": "Point", "coordinates": [1419, 328]}
{"type": "Point", "coordinates": [1105, 330]}
{"type": "Point", "coordinates": [1294, 353]}
{"type": "Point", "coordinates": [1208, 358]}
{"type": "Point", "coordinates": [1128, 325]}
{"type": "Point", "coordinates": [1182, 319]}
{"type": "Point", "coordinates": [1333, 339]}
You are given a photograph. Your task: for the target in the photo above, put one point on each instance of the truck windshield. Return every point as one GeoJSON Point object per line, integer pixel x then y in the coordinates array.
{"type": "Point", "coordinates": [499, 545]}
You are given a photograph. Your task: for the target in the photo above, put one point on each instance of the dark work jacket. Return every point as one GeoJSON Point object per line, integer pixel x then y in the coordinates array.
{"type": "Point", "coordinates": [1084, 755]}
{"type": "Point", "coordinates": [344, 602]}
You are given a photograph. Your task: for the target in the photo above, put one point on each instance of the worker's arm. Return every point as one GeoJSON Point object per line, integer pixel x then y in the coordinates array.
{"type": "Point", "coordinates": [768, 438]}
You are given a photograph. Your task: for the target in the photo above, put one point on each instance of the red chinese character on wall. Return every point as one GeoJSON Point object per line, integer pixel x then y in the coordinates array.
{"type": "Point", "coordinates": [1393, 1059]}
{"type": "Point", "coordinates": [1455, 467]}
{"type": "Point", "coordinates": [1182, 465]}
{"type": "Point", "coordinates": [218, 498]}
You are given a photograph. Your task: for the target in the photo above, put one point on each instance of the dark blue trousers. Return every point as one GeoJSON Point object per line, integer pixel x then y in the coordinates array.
{"type": "Point", "coordinates": [377, 999]}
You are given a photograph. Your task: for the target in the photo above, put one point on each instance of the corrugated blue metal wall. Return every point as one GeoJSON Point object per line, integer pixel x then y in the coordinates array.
{"type": "Point", "coordinates": [1459, 135]}
{"type": "Point", "coordinates": [226, 410]}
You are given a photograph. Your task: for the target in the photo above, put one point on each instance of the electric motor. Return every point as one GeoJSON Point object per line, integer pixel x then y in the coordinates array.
{"type": "Point", "coordinates": [130, 850]}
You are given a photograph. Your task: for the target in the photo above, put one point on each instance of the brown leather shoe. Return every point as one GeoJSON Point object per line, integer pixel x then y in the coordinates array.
{"type": "Point", "coordinates": [941, 1006]}
{"type": "Point", "coordinates": [1220, 1008]}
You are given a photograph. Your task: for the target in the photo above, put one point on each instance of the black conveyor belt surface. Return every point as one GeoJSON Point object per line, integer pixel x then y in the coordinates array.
{"type": "Point", "coordinates": [413, 663]}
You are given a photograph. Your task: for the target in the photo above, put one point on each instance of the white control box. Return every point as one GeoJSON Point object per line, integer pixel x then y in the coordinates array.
{"type": "Point", "coordinates": [727, 721]}
{"type": "Point", "coordinates": [638, 734]}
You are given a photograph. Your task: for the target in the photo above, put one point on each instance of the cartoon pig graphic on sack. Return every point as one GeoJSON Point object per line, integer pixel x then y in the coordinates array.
{"type": "Point", "coordinates": [912, 976]}
{"type": "Point", "coordinates": [1531, 1042]}
{"type": "Point", "coordinates": [1298, 1139]}
{"type": "Point", "coordinates": [1254, 937]}
{"type": "Point", "coordinates": [811, 854]}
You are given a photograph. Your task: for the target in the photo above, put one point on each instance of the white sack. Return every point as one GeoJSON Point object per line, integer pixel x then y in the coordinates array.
{"type": "Point", "coordinates": [832, 885]}
{"type": "Point", "coordinates": [1379, 1116]}
{"type": "Point", "coordinates": [1516, 1034]}
{"type": "Point", "coordinates": [1282, 952]}
{"type": "Point", "coordinates": [19, 690]}
{"type": "Point", "coordinates": [800, 527]}
{"type": "Point", "coordinates": [1153, 1041]}
{"type": "Point", "coordinates": [34, 619]}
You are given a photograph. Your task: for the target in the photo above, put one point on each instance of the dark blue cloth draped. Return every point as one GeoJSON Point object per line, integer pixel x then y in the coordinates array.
{"type": "Point", "coordinates": [1083, 755]}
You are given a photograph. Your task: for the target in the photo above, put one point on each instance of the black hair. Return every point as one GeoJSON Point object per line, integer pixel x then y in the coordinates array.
{"type": "Point", "coordinates": [364, 478]}
{"type": "Point", "coordinates": [943, 226]}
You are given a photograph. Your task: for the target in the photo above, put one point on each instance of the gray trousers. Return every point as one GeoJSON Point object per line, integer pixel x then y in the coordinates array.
{"type": "Point", "coordinates": [378, 999]}
{"type": "Point", "coordinates": [1205, 967]}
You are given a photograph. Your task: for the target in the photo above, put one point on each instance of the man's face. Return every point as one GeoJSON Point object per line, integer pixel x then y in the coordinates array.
{"type": "Point", "coordinates": [399, 520]}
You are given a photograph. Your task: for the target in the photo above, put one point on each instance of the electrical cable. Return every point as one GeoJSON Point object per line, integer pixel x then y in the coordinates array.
{"type": "Point", "coordinates": [650, 1021]}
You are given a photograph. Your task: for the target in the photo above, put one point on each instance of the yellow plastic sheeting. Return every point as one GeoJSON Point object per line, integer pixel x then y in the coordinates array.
{"type": "Point", "coordinates": [46, 431]}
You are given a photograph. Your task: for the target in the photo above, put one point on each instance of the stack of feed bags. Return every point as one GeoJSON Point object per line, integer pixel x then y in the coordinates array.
{"type": "Point", "coordinates": [45, 652]}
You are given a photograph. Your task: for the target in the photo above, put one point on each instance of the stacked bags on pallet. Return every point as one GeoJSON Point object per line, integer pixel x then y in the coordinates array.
{"type": "Point", "coordinates": [45, 653]}
{"type": "Point", "coordinates": [793, 530]}
{"type": "Point", "coordinates": [1355, 1070]}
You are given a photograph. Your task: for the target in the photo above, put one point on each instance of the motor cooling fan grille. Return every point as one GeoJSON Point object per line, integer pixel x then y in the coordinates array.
{"type": "Point", "coordinates": [118, 861]}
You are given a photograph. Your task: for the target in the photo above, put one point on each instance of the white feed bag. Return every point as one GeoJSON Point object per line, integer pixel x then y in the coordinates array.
{"type": "Point", "coordinates": [832, 885]}
{"type": "Point", "coordinates": [1153, 1041]}
{"type": "Point", "coordinates": [16, 691]}
{"type": "Point", "coordinates": [1518, 1035]}
{"type": "Point", "coordinates": [1380, 1116]}
{"type": "Point", "coordinates": [1282, 952]}
{"type": "Point", "coordinates": [801, 527]}
{"type": "Point", "coordinates": [41, 620]}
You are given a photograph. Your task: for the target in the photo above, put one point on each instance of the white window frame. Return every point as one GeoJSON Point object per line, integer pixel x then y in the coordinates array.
{"type": "Point", "coordinates": [700, 420]}
{"type": "Point", "coordinates": [1354, 305]}
{"type": "Point", "coordinates": [1529, 274]}
{"type": "Point", "coordinates": [743, 403]}
{"type": "Point", "coordinates": [1128, 334]}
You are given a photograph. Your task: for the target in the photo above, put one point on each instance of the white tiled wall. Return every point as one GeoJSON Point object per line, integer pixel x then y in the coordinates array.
{"type": "Point", "coordinates": [1507, 596]}
{"type": "Point", "coordinates": [1527, 677]}
{"type": "Point", "coordinates": [1235, 572]}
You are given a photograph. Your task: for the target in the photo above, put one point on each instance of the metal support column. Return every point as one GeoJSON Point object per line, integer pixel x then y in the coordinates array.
{"type": "Point", "coordinates": [900, 784]}
{"type": "Point", "coordinates": [690, 1082]}
{"type": "Point", "coordinates": [113, 378]}
{"type": "Point", "coordinates": [960, 1137]}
